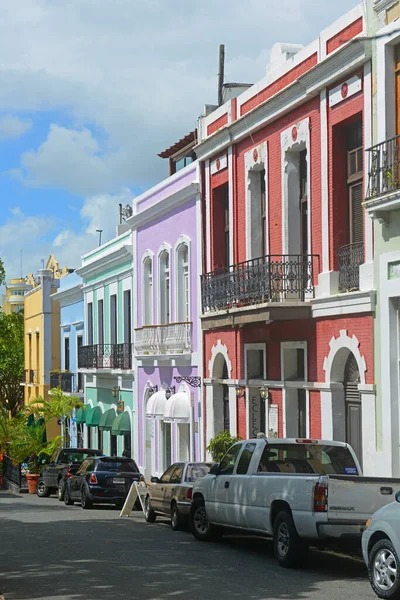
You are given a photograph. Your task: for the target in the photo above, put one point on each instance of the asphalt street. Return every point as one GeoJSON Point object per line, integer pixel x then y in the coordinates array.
{"type": "Point", "coordinates": [53, 552]}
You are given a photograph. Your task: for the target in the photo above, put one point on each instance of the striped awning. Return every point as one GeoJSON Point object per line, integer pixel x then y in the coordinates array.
{"type": "Point", "coordinates": [121, 424]}
{"type": "Point", "coordinates": [93, 416]}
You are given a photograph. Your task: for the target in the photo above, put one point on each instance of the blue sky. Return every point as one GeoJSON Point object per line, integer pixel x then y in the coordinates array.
{"type": "Point", "coordinates": [91, 91]}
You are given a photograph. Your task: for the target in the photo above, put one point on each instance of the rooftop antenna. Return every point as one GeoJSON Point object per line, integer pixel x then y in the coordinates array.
{"type": "Point", "coordinates": [221, 74]}
{"type": "Point", "coordinates": [21, 263]}
{"type": "Point", "coordinates": [99, 231]}
{"type": "Point", "coordinates": [42, 263]}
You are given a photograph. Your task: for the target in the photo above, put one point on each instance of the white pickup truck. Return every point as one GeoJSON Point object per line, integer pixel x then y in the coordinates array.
{"type": "Point", "coordinates": [297, 491]}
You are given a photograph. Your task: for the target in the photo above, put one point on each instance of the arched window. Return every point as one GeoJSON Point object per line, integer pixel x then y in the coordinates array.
{"type": "Point", "coordinates": [148, 291]}
{"type": "Point", "coordinates": [164, 295]}
{"type": "Point", "coordinates": [182, 281]}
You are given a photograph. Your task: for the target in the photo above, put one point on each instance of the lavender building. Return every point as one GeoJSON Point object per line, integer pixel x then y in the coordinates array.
{"type": "Point", "coordinates": [166, 229]}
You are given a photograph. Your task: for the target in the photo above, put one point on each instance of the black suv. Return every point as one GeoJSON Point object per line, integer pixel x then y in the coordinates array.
{"type": "Point", "coordinates": [61, 466]}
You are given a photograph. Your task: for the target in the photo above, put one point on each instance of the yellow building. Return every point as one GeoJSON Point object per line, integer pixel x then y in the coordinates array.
{"type": "Point", "coordinates": [42, 334]}
{"type": "Point", "coordinates": [13, 299]}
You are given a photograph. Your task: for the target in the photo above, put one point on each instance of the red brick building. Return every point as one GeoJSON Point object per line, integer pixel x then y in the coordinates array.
{"type": "Point", "coordinates": [287, 290]}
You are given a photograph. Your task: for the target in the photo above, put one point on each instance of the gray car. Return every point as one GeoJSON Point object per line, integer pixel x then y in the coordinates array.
{"type": "Point", "coordinates": [381, 550]}
{"type": "Point", "coordinates": [171, 494]}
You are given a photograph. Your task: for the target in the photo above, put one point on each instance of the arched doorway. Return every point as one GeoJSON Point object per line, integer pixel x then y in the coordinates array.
{"type": "Point", "coordinates": [353, 408]}
{"type": "Point", "coordinates": [225, 399]}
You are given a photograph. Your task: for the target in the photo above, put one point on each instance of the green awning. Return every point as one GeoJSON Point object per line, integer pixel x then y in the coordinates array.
{"type": "Point", "coordinates": [93, 416]}
{"type": "Point", "coordinates": [107, 419]}
{"type": "Point", "coordinates": [121, 424]}
{"type": "Point", "coordinates": [81, 416]}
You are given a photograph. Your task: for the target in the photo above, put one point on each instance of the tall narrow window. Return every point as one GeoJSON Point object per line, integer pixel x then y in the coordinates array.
{"type": "Point", "coordinates": [183, 284]}
{"type": "Point", "coordinates": [66, 354]}
{"type": "Point", "coordinates": [263, 210]}
{"type": "Point", "coordinates": [226, 230]}
{"type": "Point", "coordinates": [148, 291]}
{"type": "Point", "coordinates": [113, 319]}
{"type": "Point", "coordinates": [79, 342]}
{"type": "Point", "coordinates": [164, 297]}
{"type": "Point", "coordinates": [100, 321]}
{"type": "Point", "coordinates": [90, 323]}
{"type": "Point", "coordinates": [303, 202]}
{"type": "Point", "coordinates": [354, 182]}
{"type": "Point", "coordinates": [127, 317]}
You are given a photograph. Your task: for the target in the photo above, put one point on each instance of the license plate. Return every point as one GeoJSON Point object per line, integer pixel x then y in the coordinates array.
{"type": "Point", "coordinates": [119, 480]}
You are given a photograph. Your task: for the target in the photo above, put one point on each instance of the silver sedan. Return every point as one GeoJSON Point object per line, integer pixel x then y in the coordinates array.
{"type": "Point", "coordinates": [381, 550]}
{"type": "Point", "coordinates": [171, 494]}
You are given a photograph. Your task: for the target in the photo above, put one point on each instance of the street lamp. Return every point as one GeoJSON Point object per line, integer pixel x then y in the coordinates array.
{"type": "Point", "coordinates": [240, 392]}
{"type": "Point", "coordinates": [115, 391]}
{"type": "Point", "coordinates": [152, 389]}
{"type": "Point", "coordinates": [264, 392]}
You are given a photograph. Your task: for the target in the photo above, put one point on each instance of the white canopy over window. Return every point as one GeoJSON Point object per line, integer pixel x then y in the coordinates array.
{"type": "Point", "coordinates": [155, 408]}
{"type": "Point", "coordinates": [177, 408]}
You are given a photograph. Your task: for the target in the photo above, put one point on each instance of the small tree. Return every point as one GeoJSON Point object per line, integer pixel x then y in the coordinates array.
{"type": "Point", "coordinates": [220, 444]}
{"type": "Point", "coordinates": [11, 361]}
{"type": "Point", "coordinates": [58, 405]}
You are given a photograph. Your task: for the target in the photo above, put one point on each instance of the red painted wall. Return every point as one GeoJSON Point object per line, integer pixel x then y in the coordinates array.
{"type": "Point", "coordinates": [344, 35]}
{"type": "Point", "coordinates": [217, 124]}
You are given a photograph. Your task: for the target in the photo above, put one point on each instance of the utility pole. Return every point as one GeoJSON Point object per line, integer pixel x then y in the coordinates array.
{"type": "Point", "coordinates": [99, 231]}
{"type": "Point", "coordinates": [221, 72]}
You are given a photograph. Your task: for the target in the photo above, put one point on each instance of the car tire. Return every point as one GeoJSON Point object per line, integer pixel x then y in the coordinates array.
{"type": "Point", "coordinates": [119, 503]}
{"type": "Point", "coordinates": [67, 498]}
{"type": "Point", "coordinates": [384, 570]}
{"type": "Point", "coordinates": [289, 549]}
{"type": "Point", "coordinates": [42, 490]}
{"type": "Point", "coordinates": [86, 503]}
{"type": "Point", "coordinates": [61, 490]}
{"type": "Point", "coordinates": [201, 528]}
{"type": "Point", "coordinates": [149, 513]}
{"type": "Point", "coordinates": [177, 520]}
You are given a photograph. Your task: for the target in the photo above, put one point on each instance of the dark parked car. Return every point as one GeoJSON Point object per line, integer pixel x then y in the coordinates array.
{"type": "Point", "coordinates": [105, 479]}
{"type": "Point", "coordinates": [55, 472]}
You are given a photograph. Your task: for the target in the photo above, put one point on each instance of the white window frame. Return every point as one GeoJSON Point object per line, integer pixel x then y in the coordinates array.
{"type": "Point", "coordinates": [256, 346]}
{"type": "Point", "coordinates": [295, 385]}
{"type": "Point", "coordinates": [164, 248]}
{"type": "Point", "coordinates": [183, 240]}
{"type": "Point", "coordinates": [148, 255]}
{"type": "Point", "coordinates": [113, 291]}
{"type": "Point", "coordinates": [252, 166]}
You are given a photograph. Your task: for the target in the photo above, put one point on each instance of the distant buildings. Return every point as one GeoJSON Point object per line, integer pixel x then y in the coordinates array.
{"type": "Point", "coordinates": [13, 299]}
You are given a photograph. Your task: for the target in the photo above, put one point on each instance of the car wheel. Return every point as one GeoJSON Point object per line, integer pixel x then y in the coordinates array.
{"type": "Point", "coordinates": [149, 513]}
{"type": "Point", "coordinates": [177, 519]}
{"type": "Point", "coordinates": [384, 570]}
{"type": "Point", "coordinates": [61, 490]}
{"type": "Point", "coordinates": [67, 498]}
{"type": "Point", "coordinates": [85, 502]}
{"type": "Point", "coordinates": [119, 503]}
{"type": "Point", "coordinates": [200, 526]}
{"type": "Point", "coordinates": [42, 490]}
{"type": "Point", "coordinates": [289, 549]}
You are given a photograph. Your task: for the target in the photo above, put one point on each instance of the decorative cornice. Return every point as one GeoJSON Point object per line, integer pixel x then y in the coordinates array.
{"type": "Point", "coordinates": [335, 67]}
{"type": "Point", "coordinates": [69, 296]}
{"type": "Point", "coordinates": [105, 262]}
{"type": "Point", "coordinates": [165, 206]}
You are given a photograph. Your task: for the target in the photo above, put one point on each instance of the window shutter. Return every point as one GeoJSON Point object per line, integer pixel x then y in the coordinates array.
{"type": "Point", "coordinates": [356, 212]}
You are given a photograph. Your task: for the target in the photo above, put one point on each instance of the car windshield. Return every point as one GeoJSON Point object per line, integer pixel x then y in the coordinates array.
{"type": "Point", "coordinates": [307, 458]}
{"type": "Point", "coordinates": [75, 457]}
{"type": "Point", "coordinates": [196, 471]}
{"type": "Point", "coordinates": [124, 466]}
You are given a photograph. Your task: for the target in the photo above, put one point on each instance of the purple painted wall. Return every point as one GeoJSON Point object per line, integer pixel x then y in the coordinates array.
{"type": "Point", "coordinates": [167, 229]}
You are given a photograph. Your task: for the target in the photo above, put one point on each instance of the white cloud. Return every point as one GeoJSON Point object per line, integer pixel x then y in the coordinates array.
{"type": "Point", "coordinates": [13, 127]}
{"type": "Point", "coordinates": [137, 72]}
{"type": "Point", "coordinates": [33, 234]}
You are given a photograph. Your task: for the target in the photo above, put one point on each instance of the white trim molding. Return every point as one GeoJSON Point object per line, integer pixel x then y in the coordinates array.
{"type": "Point", "coordinates": [219, 348]}
{"type": "Point", "coordinates": [343, 341]}
{"type": "Point", "coordinates": [181, 241]}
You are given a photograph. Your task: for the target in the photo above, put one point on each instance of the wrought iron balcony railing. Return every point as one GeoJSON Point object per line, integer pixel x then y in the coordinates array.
{"type": "Point", "coordinates": [65, 381]}
{"type": "Point", "coordinates": [105, 356]}
{"type": "Point", "coordinates": [350, 258]}
{"type": "Point", "coordinates": [31, 377]}
{"type": "Point", "coordinates": [384, 168]}
{"type": "Point", "coordinates": [154, 340]}
{"type": "Point", "coordinates": [272, 278]}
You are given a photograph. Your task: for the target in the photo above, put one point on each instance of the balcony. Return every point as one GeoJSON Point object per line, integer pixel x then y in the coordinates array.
{"type": "Point", "coordinates": [31, 377]}
{"type": "Point", "coordinates": [383, 194]}
{"type": "Point", "coordinates": [68, 382]}
{"type": "Point", "coordinates": [350, 258]}
{"type": "Point", "coordinates": [105, 356]}
{"type": "Point", "coordinates": [163, 340]}
{"type": "Point", "coordinates": [272, 287]}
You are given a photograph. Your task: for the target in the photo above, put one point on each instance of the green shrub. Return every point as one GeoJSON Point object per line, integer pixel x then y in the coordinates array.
{"type": "Point", "coordinates": [220, 444]}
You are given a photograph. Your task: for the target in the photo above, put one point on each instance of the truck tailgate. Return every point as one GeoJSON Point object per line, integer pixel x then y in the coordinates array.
{"type": "Point", "coordinates": [355, 499]}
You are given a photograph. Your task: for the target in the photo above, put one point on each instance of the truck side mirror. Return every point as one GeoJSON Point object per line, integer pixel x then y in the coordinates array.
{"type": "Point", "coordinates": [397, 496]}
{"type": "Point", "coordinates": [214, 469]}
